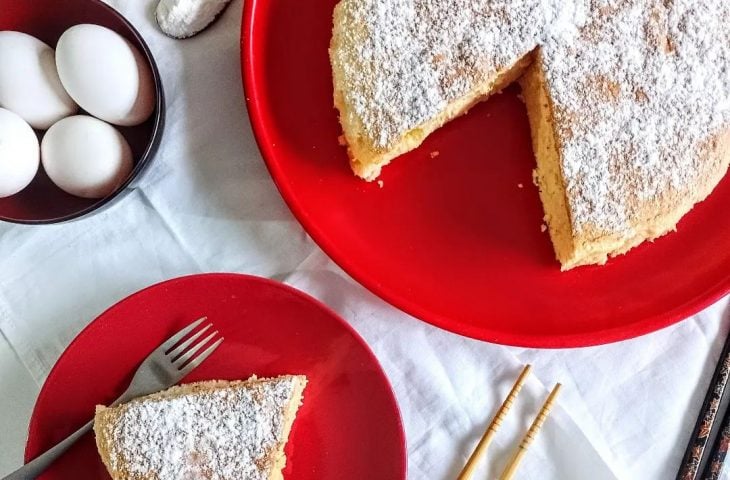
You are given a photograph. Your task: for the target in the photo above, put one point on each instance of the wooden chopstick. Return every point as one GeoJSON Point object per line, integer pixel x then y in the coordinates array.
{"type": "Point", "coordinates": [481, 448]}
{"type": "Point", "coordinates": [529, 437]}
{"type": "Point", "coordinates": [708, 414]}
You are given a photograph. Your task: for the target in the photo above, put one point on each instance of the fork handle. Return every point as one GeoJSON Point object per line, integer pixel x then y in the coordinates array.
{"type": "Point", "coordinates": [35, 467]}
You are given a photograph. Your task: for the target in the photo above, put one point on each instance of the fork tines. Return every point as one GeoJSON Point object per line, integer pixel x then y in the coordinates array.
{"type": "Point", "coordinates": [183, 354]}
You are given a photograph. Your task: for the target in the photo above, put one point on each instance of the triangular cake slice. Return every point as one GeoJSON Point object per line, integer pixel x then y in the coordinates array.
{"type": "Point", "coordinates": [207, 430]}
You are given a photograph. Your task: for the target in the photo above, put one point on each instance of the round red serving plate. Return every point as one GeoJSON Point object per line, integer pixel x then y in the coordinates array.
{"type": "Point", "coordinates": [453, 236]}
{"type": "Point", "coordinates": [348, 427]}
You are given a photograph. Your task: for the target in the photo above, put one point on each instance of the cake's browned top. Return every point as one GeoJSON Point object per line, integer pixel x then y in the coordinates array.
{"type": "Point", "coordinates": [640, 88]}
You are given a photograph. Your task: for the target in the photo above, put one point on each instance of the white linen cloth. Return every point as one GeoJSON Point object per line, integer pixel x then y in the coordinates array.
{"type": "Point", "coordinates": [208, 204]}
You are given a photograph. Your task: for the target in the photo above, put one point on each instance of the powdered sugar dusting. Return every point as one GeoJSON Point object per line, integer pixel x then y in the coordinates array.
{"type": "Point", "coordinates": [405, 60]}
{"type": "Point", "coordinates": [640, 88]}
{"type": "Point", "coordinates": [637, 91]}
{"type": "Point", "coordinates": [221, 434]}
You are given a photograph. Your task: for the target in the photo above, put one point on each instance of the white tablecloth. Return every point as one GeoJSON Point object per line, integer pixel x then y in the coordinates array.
{"type": "Point", "coordinates": [208, 204]}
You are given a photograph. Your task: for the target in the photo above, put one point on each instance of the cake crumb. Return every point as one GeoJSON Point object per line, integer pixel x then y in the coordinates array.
{"type": "Point", "coordinates": [543, 227]}
{"type": "Point", "coordinates": [342, 141]}
{"type": "Point", "coordinates": [380, 183]}
{"type": "Point", "coordinates": [434, 154]}
{"type": "Point", "coordinates": [519, 185]}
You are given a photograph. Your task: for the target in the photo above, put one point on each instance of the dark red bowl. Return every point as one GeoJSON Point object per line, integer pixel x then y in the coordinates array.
{"type": "Point", "coordinates": [42, 202]}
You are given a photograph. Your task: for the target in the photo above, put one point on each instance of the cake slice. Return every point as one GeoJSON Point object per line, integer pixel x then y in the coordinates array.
{"type": "Point", "coordinates": [208, 430]}
{"type": "Point", "coordinates": [630, 120]}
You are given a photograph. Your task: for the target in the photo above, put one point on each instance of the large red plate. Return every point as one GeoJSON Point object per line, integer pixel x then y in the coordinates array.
{"type": "Point", "coordinates": [454, 240]}
{"type": "Point", "coordinates": [349, 425]}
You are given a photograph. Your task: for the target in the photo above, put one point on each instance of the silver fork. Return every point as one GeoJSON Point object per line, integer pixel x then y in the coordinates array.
{"type": "Point", "coordinates": [162, 368]}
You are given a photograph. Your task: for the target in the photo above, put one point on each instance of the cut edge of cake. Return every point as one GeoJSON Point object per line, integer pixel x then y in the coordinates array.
{"type": "Point", "coordinates": [548, 175]}
{"type": "Point", "coordinates": [290, 413]}
{"type": "Point", "coordinates": [106, 416]}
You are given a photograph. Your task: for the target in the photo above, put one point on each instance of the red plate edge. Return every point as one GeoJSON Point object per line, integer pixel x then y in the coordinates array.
{"type": "Point", "coordinates": [286, 288]}
{"type": "Point", "coordinates": [597, 337]}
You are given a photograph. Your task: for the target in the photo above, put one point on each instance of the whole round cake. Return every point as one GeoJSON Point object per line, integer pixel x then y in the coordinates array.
{"type": "Point", "coordinates": [628, 100]}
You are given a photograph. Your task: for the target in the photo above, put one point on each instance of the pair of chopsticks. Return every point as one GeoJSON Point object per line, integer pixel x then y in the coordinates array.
{"type": "Point", "coordinates": [693, 456]}
{"type": "Point", "coordinates": [481, 448]}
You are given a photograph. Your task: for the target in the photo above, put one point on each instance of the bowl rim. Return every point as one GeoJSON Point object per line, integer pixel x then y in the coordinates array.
{"type": "Point", "coordinates": [145, 158]}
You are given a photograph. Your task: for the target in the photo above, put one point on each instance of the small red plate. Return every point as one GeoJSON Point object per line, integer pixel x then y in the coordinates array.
{"type": "Point", "coordinates": [454, 238]}
{"type": "Point", "coordinates": [349, 425]}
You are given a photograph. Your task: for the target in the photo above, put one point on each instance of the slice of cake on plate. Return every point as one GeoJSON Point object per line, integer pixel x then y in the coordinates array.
{"type": "Point", "coordinates": [199, 431]}
{"type": "Point", "coordinates": [629, 100]}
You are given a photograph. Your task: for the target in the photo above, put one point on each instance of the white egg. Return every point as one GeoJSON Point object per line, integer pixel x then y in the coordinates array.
{"type": "Point", "coordinates": [29, 83]}
{"type": "Point", "coordinates": [106, 75]}
{"type": "Point", "coordinates": [18, 153]}
{"type": "Point", "coordinates": [85, 156]}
